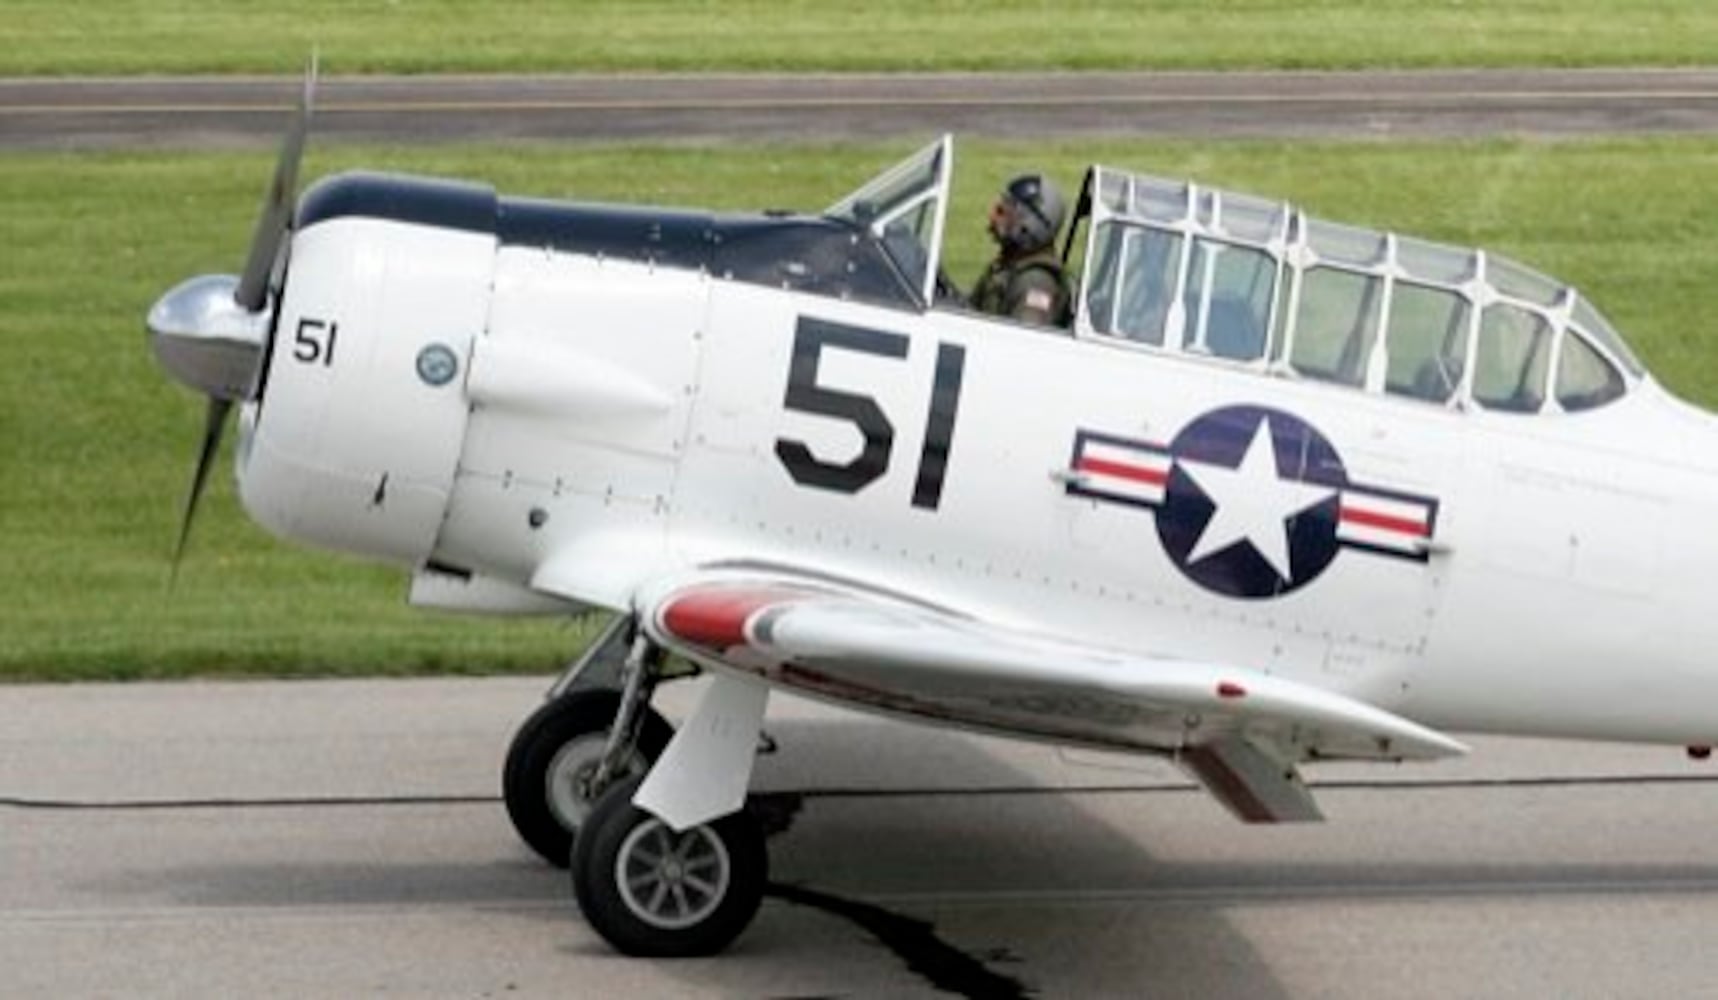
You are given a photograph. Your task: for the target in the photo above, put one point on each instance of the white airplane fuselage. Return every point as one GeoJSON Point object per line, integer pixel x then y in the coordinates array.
{"type": "Point", "coordinates": [539, 425]}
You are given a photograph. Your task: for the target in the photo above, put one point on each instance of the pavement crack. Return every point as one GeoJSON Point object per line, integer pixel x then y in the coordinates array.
{"type": "Point", "coordinates": [290, 802]}
{"type": "Point", "coordinates": [915, 942]}
{"type": "Point", "coordinates": [780, 807]}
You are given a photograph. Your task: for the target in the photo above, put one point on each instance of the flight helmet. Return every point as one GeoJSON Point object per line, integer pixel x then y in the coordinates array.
{"type": "Point", "coordinates": [1032, 211]}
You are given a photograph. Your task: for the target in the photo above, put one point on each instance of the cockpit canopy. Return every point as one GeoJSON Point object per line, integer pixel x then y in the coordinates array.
{"type": "Point", "coordinates": [1177, 267]}
{"type": "Point", "coordinates": [1192, 270]}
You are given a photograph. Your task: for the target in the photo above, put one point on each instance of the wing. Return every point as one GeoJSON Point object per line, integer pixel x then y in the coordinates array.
{"type": "Point", "coordinates": [1239, 731]}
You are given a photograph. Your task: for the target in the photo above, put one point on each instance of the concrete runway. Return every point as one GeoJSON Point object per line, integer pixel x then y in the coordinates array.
{"type": "Point", "coordinates": [342, 839]}
{"type": "Point", "coordinates": [224, 111]}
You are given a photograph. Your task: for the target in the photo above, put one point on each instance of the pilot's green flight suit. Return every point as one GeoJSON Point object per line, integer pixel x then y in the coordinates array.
{"type": "Point", "coordinates": [1030, 288]}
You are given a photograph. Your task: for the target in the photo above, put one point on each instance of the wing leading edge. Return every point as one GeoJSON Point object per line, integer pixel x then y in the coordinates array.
{"type": "Point", "coordinates": [1240, 732]}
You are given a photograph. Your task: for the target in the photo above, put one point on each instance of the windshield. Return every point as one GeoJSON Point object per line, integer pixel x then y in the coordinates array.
{"type": "Point", "coordinates": [903, 207]}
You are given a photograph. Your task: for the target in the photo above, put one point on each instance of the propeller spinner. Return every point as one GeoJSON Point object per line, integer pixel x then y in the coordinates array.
{"type": "Point", "coordinates": [210, 332]}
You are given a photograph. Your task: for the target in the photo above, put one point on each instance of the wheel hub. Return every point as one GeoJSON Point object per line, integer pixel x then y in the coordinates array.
{"type": "Point", "coordinates": [672, 880]}
{"type": "Point", "coordinates": [568, 779]}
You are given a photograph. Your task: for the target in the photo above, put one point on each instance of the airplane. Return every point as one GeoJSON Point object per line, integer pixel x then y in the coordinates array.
{"type": "Point", "coordinates": [1283, 491]}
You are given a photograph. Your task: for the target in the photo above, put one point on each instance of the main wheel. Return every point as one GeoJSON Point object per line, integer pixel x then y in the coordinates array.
{"type": "Point", "coordinates": [652, 892]}
{"type": "Point", "coordinates": [552, 758]}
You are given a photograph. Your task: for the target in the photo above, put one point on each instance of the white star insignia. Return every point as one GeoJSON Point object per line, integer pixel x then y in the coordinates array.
{"type": "Point", "coordinates": [1254, 503]}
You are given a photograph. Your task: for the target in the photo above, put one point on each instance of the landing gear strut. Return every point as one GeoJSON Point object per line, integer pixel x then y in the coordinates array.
{"type": "Point", "coordinates": [673, 863]}
{"type": "Point", "coordinates": [681, 873]}
{"type": "Point", "coordinates": [570, 750]}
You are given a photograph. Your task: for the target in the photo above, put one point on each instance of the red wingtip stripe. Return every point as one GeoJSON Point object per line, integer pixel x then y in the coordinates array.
{"type": "Point", "coordinates": [716, 617]}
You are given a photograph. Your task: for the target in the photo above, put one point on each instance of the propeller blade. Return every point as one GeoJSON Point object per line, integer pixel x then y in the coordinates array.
{"type": "Point", "coordinates": [278, 204]}
{"type": "Point", "coordinates": [215, 421]}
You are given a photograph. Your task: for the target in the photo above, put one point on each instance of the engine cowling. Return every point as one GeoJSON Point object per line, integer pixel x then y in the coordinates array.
{"type": "Point", "coordinates": [355, 440]}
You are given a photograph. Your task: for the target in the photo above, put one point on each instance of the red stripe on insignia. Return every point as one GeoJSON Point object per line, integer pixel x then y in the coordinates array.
{"type": "Point", "coordinates": [1368, 519]}
{"type": "Point", "coordinates": [1138, 474]}
{"type": "Point", "coordinates": [716, 617]}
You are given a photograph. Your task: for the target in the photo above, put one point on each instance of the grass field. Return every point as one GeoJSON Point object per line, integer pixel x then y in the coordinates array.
{"type": "Point", "coordinates": [414, 36]}
{"type": "Point", "coordinates": [98, 444]}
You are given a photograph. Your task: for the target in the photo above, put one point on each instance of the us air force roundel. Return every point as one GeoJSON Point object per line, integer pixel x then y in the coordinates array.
{"type": "Point", "coordinates": [1251, 502]}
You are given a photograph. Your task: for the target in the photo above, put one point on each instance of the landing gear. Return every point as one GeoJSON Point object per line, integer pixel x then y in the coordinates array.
{"type": "Point", "coordinates": [652, 892]}
{"type": "Point", "coordinates": [550, 781]}
{"type": "Point", "coordinates": [682, 872]}
{"type": "Point", "coordinates": [596, 728]}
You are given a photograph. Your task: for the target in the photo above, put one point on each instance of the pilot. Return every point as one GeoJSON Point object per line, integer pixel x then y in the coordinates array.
{"type": "Point", "coordinates": [1025, 281]}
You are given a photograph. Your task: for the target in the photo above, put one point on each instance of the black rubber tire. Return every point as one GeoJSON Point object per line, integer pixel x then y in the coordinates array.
{"type": "Point", "coordinates": [524, 778]}
{"type": "Point", "coordinates": [595, 880]}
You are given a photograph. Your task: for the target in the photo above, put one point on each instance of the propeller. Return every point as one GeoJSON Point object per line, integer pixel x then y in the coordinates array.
{"type": "Point", "coordinates": [211, 332]}
{"type": "Point", "coordinates": [214, 420]}
{"type": "Point", "coordinates": [277, 206]}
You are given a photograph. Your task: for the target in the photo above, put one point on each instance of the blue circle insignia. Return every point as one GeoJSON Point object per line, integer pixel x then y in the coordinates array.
{"type": "Point", "coordinates": [437, 365]}
{"type": "Point", "coordinates": [1251, 504]}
